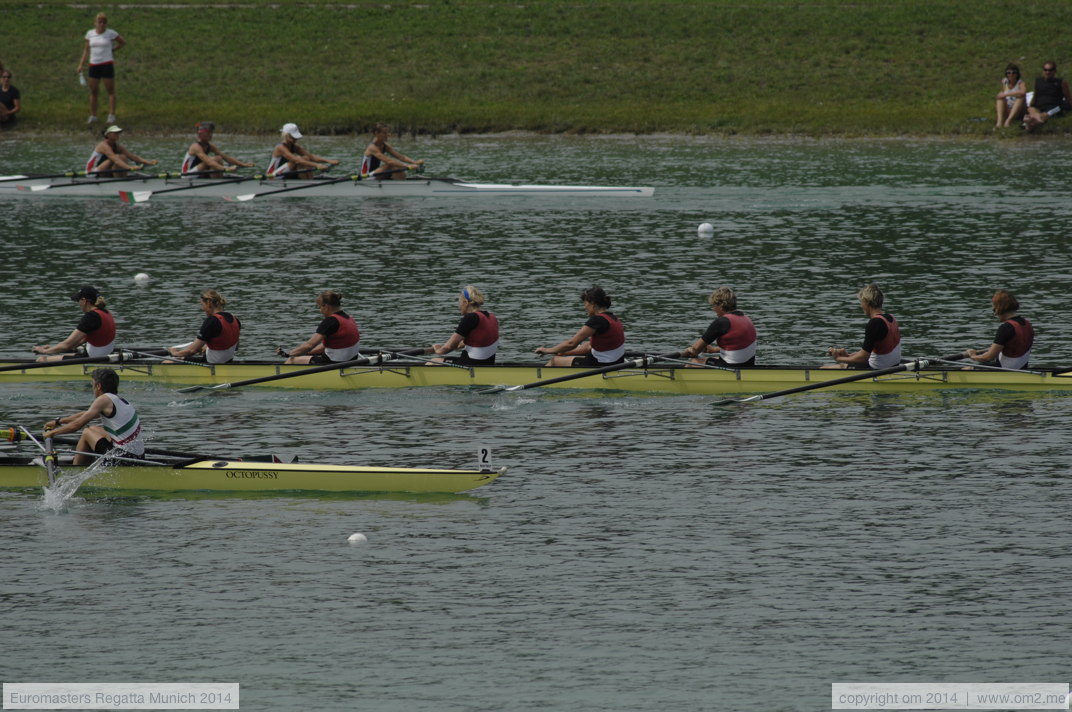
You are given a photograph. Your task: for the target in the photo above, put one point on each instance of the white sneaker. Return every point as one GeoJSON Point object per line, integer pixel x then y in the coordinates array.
{"type": "Point", "coordinates": [111, 118]}
{"type": "Point", "coordinates": [91, 120]}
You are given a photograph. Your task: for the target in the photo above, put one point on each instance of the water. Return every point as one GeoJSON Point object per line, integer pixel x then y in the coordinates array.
{"type": "Point", "coordinates": [641, 551]}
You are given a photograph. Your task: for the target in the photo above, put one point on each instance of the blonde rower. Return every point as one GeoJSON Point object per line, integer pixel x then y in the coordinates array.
{"type": "Point", "coordinates": [731, 330]}
{"type": "Point", "coordinates": [217, 339]}
{"type": "Point", "coordinates": [477, 332]}
{"type": "Point", "coordinates": [882, 337]}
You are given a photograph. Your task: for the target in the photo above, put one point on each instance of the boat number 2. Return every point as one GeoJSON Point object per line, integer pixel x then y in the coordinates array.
{"type": "Point", "coordinates": [483, 458]}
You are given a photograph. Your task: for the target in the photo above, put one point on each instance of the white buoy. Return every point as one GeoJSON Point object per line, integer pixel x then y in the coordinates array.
{"type": "Point", "coordinates": [357, 538]}
{"type": "Point", "coordinates": [141, 278]}
{"type": "Point", "coordinates": [706, 229]}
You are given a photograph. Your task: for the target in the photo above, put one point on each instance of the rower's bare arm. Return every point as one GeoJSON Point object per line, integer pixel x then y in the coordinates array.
{"type": "Point", "coordinates": [321, 159]}
{"type": "Point", "coordinates": [983, 356]}
{"type": "Point", "coordinates": [82, 61]}
{"type": "Point", "coordinates": [456, 341]}
{"type": "Point", "coordinates": [572, 346]}
{"type": "Point", "coordinates": [403, 157]}
{"type": "Point", "coordinates": [234, 161]}
{"type": "Point", "coordinates": [193, 348]}
{"type": "Point", "coordinates": [72, 423]}
{"type": "Point", "coordinates": [309, 346]}
{"type": "Point", "coordinates": [76, 338]}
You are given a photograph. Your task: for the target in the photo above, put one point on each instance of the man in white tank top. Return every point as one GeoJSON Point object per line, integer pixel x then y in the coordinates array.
{"type": "Point", "coordinates": [120, 427]}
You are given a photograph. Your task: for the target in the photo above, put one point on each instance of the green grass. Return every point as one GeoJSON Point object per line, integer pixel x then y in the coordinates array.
{"type": "Point", "coordinates": [745, 67]}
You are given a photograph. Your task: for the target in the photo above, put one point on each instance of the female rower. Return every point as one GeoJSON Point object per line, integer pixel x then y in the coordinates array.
{"type": "Point", "coordinates": [1015, 337]}
{"type": "Point", "coordinates": [289, 160]}
{"type": "Point", "coordinates": [111, 159]}
{"type": "Point", "coordinates": [731, 330]}
{"type": "Point", "coordinates": [96, 330]}
{"type": "Point", "coordinates": [217, 339]}
{"type": "Point", "coordinates": [204, 159]}
{"type": "Point", "coordinates": [882, 337]}
{"type": "Point", "coordinates": [600, 342]}
{"type": "Point", "coordinates": [382, 160]}
{"type": "Point", "coordinates": [337, 337]}
{"type": "Point", "coordinates": [477, 332]}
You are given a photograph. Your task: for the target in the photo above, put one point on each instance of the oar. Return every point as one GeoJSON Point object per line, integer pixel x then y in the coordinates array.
{"type": "Point", "coordinates": [39, 188]}
{"type": "Point", "coordinates": [634, 363]}
{"type": "Point", "coordinates": [916, 365]}
{"type": "Point", "coordinates": [73, 440]}
{"type": "Point", "coordinates": [68, 174]}
{"type": "Point", "coordinates": [110, 358]}
{"type": "Point", "coordinates": [48, 450]}
{"type": "Point", "coordinates": [363, 361]}
{"type": "Point", "coordinates": [50, 461]}
{"type": "Point", "coordinates": [141, 196]}
{"type": "Point", "coordinates": [310, 184]}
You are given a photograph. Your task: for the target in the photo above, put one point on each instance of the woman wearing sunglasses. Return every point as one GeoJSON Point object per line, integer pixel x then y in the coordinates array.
{"type": "Point", "coordinates": [1010, 100]}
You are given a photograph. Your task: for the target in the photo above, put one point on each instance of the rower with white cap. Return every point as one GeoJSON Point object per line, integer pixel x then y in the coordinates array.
{"type": "Point", "coordinates": [112, 159]}
{"type": "Point", "coordinates": [290, 158]}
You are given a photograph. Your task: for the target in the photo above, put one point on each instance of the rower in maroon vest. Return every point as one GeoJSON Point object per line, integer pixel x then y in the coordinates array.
{"type": "Point", "coordinates": [217, 339]}
{"type": "Point", "coordinates": [337, 338]}
{"type": "Point", "coordinates": [882, 335]}
{"type": "Point", "coordinates": [477, 332]}
{"type": "Point", "coordinates": [600, 342]}
{"type": "Point", "coordinates": [732, 331]}
{"type": "Point", "coordinates": [1014, 339]}
{"type": "Point", "coordinates": [94, 335]}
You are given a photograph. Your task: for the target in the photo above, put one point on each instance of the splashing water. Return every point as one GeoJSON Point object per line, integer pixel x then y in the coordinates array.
{"type": "Point", "coordinates": [60, 493]}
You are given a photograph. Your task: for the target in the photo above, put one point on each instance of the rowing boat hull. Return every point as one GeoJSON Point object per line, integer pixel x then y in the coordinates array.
{"type": "Point", "coordinates": [351, 189]}
{"type": "Point", "coordinates": [231, 476]}
{"type": "Point", "coordinates": [654, 379]}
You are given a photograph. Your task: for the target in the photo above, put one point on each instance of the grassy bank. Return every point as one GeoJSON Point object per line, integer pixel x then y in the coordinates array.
{"type": "Point", "coordinates": [750, 66]}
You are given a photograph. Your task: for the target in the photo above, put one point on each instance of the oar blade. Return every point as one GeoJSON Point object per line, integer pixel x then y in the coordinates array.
{"type": "Point", "coordinates": [135, 196]}
{"type": "Point", "coordinates": [239, 198]}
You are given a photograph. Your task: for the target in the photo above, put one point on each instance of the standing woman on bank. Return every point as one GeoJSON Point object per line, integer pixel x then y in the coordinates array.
{"type": "Point", "coordinates": [10, 98]}
{"type": "Point", "coordinates": [100, 45]}
{"type": "Point", "coordinates": [600, 342]}
{"type": "Point", "coordinates": [219, 333]}
{"type": "Point", "coordinates": [337, 338]}
{"type": "Point", "coordinates": [477, 332]}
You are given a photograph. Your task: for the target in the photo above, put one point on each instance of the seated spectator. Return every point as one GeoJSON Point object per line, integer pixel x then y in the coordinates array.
{"type": "Point", "coordinates": [1051, 97]}
{"type": "Point", "coordinates": [1010, 100]}
{"type": "Point", "coordinates": [10, 98]}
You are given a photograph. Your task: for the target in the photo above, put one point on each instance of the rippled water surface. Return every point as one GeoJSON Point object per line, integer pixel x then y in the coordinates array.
{"type": "Point", "coordinates": [641, 552]}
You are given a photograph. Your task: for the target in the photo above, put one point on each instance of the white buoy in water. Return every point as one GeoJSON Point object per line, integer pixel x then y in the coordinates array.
{"type": "Point", "coordinates": [706, 229]}
{"type": "Point", "coordinates": [141, 278]}
{"type": "Point", "coordinates": [357, 538]}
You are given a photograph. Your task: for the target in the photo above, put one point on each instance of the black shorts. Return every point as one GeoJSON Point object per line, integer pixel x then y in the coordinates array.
{"type": "Point", "coordinates": [104, 446]}
{"type": "Point", "coordinates": [465, 360]}
{"type": "Point", "coordinates": [102, 71]}
{"type": "Point", "coordinates": [322, 358]}
{"type": "Point", "coordinates": [717, 361]}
